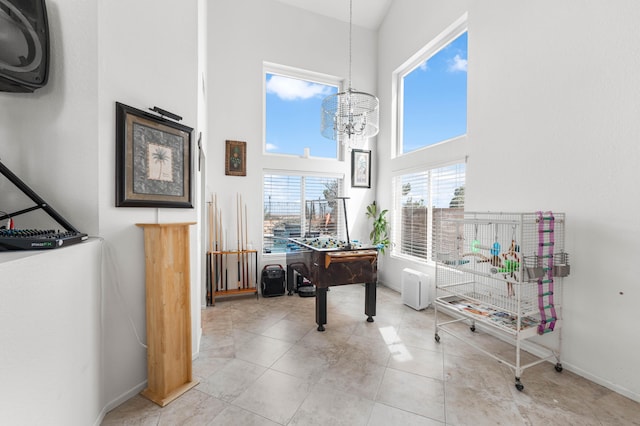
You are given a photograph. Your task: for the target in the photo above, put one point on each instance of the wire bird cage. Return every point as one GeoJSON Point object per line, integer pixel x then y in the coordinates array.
{"type": "Point", "coordinates": [503, 272]}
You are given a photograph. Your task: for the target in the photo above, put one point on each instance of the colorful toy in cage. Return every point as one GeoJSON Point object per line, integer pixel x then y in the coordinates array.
{"type": "Point", "coordinates": [511, 262]}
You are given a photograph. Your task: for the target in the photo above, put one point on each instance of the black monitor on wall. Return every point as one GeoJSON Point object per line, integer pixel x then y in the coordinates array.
{"type": "Point", "coordinates": [24, 45]}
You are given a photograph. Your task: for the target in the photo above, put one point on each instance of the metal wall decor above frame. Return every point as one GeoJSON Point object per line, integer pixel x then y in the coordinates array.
{"type": "Point", "coordinates": [153, 160]}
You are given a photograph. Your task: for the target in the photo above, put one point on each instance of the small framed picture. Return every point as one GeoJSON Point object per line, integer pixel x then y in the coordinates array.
{"type": "Point", "coordinates": [360, 168]}
{"type": "Point", "coordinates": [235, 159]}
{"type": "Point", "coordinates": [153, 160]}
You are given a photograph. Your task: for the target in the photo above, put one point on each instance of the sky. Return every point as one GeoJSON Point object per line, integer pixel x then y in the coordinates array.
{"type": "Point", "coordinates": [435, 103]}
{"type": "Point", "coordinates": [435, 98]}
{"type": "Point", "coordinates": [293, 117]}
{"type": "Point", "coordinates": [434, 106]}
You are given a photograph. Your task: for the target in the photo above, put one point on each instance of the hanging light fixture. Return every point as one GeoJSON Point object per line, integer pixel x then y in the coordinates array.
{"type": "Point", "coordinates": [349, 113]}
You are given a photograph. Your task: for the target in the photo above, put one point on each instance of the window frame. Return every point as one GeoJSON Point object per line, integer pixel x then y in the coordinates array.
{"type": "Point", "coordinates": [300, 74]}
{"type": "Point", "coordinates": [451, 33]}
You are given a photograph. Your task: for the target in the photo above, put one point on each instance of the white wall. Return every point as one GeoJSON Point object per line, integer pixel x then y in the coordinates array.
{"type": "Point", "coordinates": [61, 141]}
{"type": "Point", "coordinates": [50, 356]}
{"type": "Point", "coordinates": [48, 138]}
{"type": "Point", "coordinates": [553, 107]}
{"type": "Point", "coordinates": [239, 43]}
{"type": "Point", "coordinates": [148, 57]}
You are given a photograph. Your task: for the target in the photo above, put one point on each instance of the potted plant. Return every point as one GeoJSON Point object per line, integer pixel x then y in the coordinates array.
{"type": "Point", "coordinates": [378, 235]}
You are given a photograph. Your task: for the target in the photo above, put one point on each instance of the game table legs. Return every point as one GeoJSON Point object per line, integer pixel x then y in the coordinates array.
{"type": "Point", "coordinates": [370, 301]}
{"type": "Point", "coordinates": [321, 307]}
{"type": "Point", "coordinates": [321, 304]}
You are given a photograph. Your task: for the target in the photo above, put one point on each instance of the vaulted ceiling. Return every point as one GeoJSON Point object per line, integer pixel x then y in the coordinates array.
{"type": "Point", "coordinates": [366, 13]}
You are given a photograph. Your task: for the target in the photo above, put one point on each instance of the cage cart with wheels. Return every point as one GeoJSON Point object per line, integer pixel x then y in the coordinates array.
{"type": "Point", "coordinates": [502, 272]}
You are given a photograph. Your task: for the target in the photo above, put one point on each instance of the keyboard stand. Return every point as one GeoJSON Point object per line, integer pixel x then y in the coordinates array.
{"type": "Point", "coordinates": [39, 204]}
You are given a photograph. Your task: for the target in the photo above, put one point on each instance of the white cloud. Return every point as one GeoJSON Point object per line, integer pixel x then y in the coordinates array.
{"type": "Point", "coordinates": [458, 64]}
{"type": "Point", "coordinates": [271, 147]}
{"type": "Point", "coordinates": [424, 66]}
{"type": "Point", "coordinates": [291, 89]}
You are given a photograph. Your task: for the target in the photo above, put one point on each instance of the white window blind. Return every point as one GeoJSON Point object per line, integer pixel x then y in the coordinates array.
{"type": "Point", "coordinates": [420, 200]}
{"type": "Point", "coordinates": [296, 206]}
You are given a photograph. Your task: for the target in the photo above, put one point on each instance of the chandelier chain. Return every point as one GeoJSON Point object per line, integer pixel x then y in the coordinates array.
{"type": "Point", "coordinates": [350, 37]}
{"type": "Point", "coordinates": [349, 113]}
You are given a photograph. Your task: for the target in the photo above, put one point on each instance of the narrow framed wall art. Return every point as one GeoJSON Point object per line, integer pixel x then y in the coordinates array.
{"type": "Point", "coordinates": [360, 168]}
{"type": "Point", "coordinates": [235, 158]}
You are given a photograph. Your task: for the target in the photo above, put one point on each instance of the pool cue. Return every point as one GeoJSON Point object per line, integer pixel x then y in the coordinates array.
{"type": "Point", "coordinates": [209, 292]}
{"type": "Point", "coordinates": [226, 265]}
{"type": "Point", "coordinates": [238, 220]}
{"type": "Point", "coordinates": [213, 223]}
{"type": "Point", "coordinates": [240, 254]}
{"type": "Point", "coordinates": [245, 255]}
{"type": "Point", "coordinates": [246, 245]}
{"type": "Point", "coordinates": [209, 257]}
{"type": "Point", "coordinates": [219, 248]}
{"type": "Point", "coordinates": [241, 245]}
{"type": "Point", "coordinates": [215, 247]}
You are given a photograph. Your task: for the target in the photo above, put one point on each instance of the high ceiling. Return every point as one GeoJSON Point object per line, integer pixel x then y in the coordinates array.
{"type": "Point", "coordinates": [366, 13]}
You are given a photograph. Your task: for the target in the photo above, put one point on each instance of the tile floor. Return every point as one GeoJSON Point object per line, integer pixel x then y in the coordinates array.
{"type": "Point", "coordinates": [262, 362]}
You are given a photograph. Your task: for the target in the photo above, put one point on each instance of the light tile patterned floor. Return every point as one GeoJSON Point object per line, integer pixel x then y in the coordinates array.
{"type": "Point", "coordinates": [262, 362]}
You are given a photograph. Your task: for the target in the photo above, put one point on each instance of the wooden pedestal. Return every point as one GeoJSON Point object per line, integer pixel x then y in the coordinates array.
{"type": "Point", "coordinates": [168, 306]}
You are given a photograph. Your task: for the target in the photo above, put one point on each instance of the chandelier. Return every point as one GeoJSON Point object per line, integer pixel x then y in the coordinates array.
{"type": "Point", "coordinates": [349, 113]}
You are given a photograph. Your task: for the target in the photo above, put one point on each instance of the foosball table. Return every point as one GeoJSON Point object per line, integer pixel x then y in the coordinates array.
{"type": "Point", "coordinates": [326, 262]}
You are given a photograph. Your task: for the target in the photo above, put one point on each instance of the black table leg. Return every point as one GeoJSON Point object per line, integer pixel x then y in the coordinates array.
{"type": "Point", "coordinates": [289, 280]}
{"type": "Point", "coordinates": [370, 301]}
{"type": "Point", "coordinates": [321, 307]}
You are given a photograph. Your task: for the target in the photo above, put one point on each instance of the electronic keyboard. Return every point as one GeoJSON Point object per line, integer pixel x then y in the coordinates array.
{"type": "Point", "coordinates": [36, 239]}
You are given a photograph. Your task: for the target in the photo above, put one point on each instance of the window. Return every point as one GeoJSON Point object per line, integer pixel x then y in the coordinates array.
{"type": "Point", "coordinates": [296, 206]}
{"type": "Point", "coordinates": [420, 200]}
{"type": "Point", "coordinates": [432, 93]}
{"type": "Point", "coordinates": [292, 113]}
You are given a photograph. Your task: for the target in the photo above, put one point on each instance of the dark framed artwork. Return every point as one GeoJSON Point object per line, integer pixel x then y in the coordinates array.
{"type": "Point", "coordinates": [360, 168]}
{"type": "Point", "coordinates": [153, 160]}
{"type": "Point", "coordinates": [235, 158]}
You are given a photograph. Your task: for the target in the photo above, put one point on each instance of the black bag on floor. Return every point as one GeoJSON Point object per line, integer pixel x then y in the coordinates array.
{"type": "Point", "coordinates": [273, 281]}
{"type": "Point", "coordinates": [304, 288]}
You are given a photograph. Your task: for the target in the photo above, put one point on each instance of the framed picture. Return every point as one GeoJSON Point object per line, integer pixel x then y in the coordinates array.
{"type": "Point", "coordinates": [153, 160]}
{"type": "Point", "coordinates": [235, 158]}
{"type": "Point", "coordinates": [360, 168]}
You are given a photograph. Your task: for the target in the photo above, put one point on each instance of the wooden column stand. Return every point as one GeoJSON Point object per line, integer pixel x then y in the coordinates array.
{"type": "Point", "coordinates": [168, 306]}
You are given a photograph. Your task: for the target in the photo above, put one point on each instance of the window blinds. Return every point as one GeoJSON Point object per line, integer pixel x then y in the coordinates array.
{"type": "Point", "coordinates": [296, 206]}
{"type": "Point", "coordinates": [420, 199]}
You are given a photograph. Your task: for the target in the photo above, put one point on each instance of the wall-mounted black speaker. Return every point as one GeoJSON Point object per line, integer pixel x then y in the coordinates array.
{"type": "Point", "coordinates": [24, 45]}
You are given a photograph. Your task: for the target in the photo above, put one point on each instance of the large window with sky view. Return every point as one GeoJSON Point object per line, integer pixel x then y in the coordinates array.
{"type": "Point", "coordinates": [292, 116]}
{"type": "Point", "coordinates": [432, 109]}
{"type": "Point", "coordinates": [433, 95]}
{"type": "Point", "coordinates": [298, 203]}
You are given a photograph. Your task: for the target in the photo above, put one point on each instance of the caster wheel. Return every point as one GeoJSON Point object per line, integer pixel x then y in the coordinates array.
{"type": "Point", "coordinates": [558, 367]}
{"type": "Point", "coordinates": [473, 328]}
{"type": "Point", "coordinates": [437, 337]}
{"type": "Point", "coordinates": [519, 385]}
